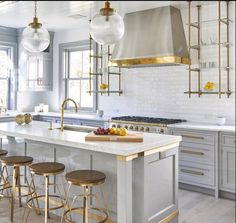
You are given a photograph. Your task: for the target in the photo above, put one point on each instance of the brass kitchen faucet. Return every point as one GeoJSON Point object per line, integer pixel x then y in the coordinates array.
{"type": "Point", "coordinates": [63, 108]}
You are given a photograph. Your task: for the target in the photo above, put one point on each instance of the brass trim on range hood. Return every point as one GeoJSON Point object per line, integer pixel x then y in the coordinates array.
{"type": "Point", "coordinates": [153, 37]}
{"type": "Point", "coordinates": [155, 60]}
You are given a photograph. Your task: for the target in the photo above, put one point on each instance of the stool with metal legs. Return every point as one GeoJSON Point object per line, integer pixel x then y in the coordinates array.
{"type": "Point", "coordinates": [45, 169]}
{"type": "Point", "coordinates": [16, 162]}
{"type": "Point", "coordinates": [85, 179]}
{"type": "Point", "coordinates": [2, 179]}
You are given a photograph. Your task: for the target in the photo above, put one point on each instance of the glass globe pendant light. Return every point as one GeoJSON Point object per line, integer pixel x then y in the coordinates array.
{"type": "Point", "coordinates": [35, 38]}
{"type": "Point", "coordinates": [107, 27]}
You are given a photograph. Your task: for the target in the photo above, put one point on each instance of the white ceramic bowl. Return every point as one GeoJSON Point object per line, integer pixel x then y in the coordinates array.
{"type": "Point", "coordinates": [220, 120]}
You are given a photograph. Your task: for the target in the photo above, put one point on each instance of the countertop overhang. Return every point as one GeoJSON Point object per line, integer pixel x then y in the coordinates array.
{"type": "Point", "coordinates": [38, 131]}
{"type": "Point", "coordinates": [204, 126]}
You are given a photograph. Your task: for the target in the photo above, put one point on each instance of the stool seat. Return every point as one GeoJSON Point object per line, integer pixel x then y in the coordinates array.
{"type": "Point", "coordinates": [85, 177]}
{"type": "Point", "coordinates": [47, 168]}
{"type": "Point", "coordinates": [16, 160]}
{"type": "Point", "coordinates": [3, 152]}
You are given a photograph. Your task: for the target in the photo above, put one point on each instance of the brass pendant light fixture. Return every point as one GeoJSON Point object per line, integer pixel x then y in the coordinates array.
{"type": "Point", "coordinates": [35, 38]}
{"type": "Point", "coordinates": [107, 27]}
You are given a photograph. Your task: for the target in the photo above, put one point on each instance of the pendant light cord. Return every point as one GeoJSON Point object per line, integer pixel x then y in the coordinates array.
{"type": "Point", "coordinates": [35, 8]}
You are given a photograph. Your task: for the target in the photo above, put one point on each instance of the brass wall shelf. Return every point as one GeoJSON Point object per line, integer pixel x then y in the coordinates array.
{"type": "Point", "coordinates": [225, 21]}
{"type": "Point", "coordinates": [209, 68]}
{"type": "Point", "coordinates": [94, 72]}
{"type": "Point", "coordinates": [197, 47]}
{"type": "Point", "coordinates": [218, 45]}
{"type": "Point", "coordinates": [208, 92]}
{"type": "Point", "coordinates": [106, 92]}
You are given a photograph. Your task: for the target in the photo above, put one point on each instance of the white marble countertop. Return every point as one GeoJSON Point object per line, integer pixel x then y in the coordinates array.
{"type": "Point", "coordinates": [80, 115]}
{"type": "Point", "coordinates": [204, 126]}
{"type": "Point", "coordinates": [38, 131]}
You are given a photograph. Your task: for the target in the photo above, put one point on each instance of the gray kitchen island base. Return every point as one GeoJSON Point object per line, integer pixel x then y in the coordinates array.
{"type": "Point", "coordinates": [139, 188]}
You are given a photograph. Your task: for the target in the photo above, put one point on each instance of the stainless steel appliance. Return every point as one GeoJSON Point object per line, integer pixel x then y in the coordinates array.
{"type": "Point", "coordinates": [143, 124]}
{"type": "Point", "coordinates": [161, 32]}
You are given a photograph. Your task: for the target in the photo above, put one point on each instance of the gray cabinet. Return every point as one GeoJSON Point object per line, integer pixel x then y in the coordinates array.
{"type": "Point", "coordinates": [35, 70]}
{"type": "Point", "coordinates": [227, 162]}
{"type": "Point", "coordinates": [198, 158]}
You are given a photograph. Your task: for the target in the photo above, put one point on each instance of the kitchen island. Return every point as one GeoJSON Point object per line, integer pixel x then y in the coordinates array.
{"type": "Point", "coordinates": [141, 178]}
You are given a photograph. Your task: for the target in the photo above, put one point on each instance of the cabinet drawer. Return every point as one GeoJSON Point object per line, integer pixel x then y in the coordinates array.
{"type": "Point", "coordinates": [228, 140]}
{"type": "Point", "coordinates": [201, 154]}
{"type": "Point", "coordinates": [196, 137]}
{"type": "Point", "coordinates": [195, 174]}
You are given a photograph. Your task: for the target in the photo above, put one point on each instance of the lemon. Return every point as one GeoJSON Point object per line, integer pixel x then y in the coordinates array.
{"type": "Point", "coordinates": [112, 131]}
{"type": "Point", "coordinates": [103, 86]}
{"type": "Point", "coordinates": [123, 132]}
{"type": "Point", "coordinates": [117, 132]}
{"type": "Point", "coordinates": [209, 86]}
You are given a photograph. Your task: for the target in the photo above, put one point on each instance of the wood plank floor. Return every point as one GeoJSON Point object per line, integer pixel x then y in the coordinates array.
{"type": "Point", "coordinates": [194, 208]}
{"type": "Point", "coordinates": [200, 208]}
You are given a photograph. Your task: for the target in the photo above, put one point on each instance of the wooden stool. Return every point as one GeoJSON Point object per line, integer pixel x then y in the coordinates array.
{"type": "Point", "coordinates": [85, 179]}
{"type": "Point", "coordinates": [45, 169]}
{"type": "Point", "coordinates": [2, 153]}
{"type": "Point", "coordinates": [16, 162]}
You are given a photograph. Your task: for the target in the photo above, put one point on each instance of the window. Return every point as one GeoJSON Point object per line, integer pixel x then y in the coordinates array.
{"type": "Point", "coordinates": [4, 76]}
{"type": "Point", "coordinates": [76, 65]}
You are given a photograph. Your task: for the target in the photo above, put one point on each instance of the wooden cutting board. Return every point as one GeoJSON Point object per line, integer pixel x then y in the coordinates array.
{"type": "Point", "coordinates": [130, 137]}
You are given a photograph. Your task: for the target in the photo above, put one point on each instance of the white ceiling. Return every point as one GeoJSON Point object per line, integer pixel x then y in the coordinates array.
{"type": "Point", "coordinates": [56, 15]}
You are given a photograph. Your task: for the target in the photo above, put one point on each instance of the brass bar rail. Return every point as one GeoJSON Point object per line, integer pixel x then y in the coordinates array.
{"type": "Point", "coordinates": [192, 152]}
{"type": "Point", "coordinates": [193, 137]}
{"type": "Point", "coordinates": [192, 172]}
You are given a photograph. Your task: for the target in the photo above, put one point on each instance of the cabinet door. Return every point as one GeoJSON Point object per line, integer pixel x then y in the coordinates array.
{"type": "Point", "coordinates": [228, 168]}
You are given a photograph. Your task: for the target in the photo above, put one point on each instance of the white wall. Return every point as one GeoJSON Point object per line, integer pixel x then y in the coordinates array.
{"type": "Point", "coordinates": [156, 91]}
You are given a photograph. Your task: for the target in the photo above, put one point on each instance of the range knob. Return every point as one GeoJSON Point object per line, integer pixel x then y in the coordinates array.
{"type": "Point", "coordinates": [126, 126]}
{"type": "Point", "coordinates": [131, 127]}
{"type": "Point", "coordinates": [113, 126]}
{"type": "Point", "coordinates": [118, 126]}
{"type": "Point", "coordinates": [136, 128]}
{"type": "Point", "coordinates": [147, 129]}
{"type": "Point", "coordinates": [162, 131]}
{"type": "Point", "coordinates": [142, 128]}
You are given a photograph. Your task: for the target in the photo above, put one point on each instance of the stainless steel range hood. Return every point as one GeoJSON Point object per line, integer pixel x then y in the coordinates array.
{"type": "Point", "coordinates": [153, 37]}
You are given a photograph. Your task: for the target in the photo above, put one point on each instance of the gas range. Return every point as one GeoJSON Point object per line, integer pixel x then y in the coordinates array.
{"type": "Point", "coordinates": [143, 124]}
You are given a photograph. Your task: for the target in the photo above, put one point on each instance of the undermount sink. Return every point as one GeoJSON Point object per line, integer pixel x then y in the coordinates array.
{"type": "Point", "coordinates": [78, 128]}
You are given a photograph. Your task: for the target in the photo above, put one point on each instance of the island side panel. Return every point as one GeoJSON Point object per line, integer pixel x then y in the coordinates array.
{"type": "Point", "coordinates": [155, 191]}
{"type": "Point", "coordinates": [124, 190]}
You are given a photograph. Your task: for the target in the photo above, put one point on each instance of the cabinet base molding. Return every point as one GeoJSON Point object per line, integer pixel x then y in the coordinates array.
{"type": "Point", "coordinates": [227, 195]}
{"type": "Point", "coordinates": [197, 189]}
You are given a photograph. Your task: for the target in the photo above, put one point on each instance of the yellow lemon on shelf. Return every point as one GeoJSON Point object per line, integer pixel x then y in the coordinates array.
{"type": "Point", "coordinates": [210, 86]}
{"type": "Point", "coordinates": [103, 86]}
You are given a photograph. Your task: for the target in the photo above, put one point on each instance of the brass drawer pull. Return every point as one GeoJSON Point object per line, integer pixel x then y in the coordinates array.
{"type": "Point", "coordinates": [192, 172]}
{"type": "Point", "coordinates": [193, 137]}
{"type": "Point", "coordinates": [192, 152]}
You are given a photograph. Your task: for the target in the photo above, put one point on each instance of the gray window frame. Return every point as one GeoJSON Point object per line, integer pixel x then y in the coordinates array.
{"type": "Point", "coordinates": [63, 70]}
{"type": "Point", "coordinates": [11, 49]}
